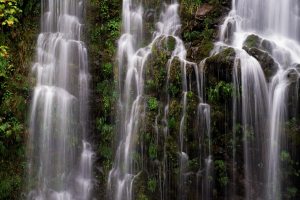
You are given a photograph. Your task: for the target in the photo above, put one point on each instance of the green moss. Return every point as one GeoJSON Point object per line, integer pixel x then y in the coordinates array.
{"type": "Point", "coordinates": [152, 184]}
{"type": "Point", "coordinates": [175, 109]}
{"type": "Point", "coordinates": [252, 41]}
{"type": "Point", "coordinates": [175, 78]}
{"type": "Point", "coordinates": [221, 92]}
{"type": "Point", "coordinates": [223, 57]}
{"type": "Point", "coordinates": [191, 35]}
{"type": "Point", "coordinates": [188, 7]}
{"type": "Point", "coordinates": [152, 151]}
{"type": "Point", "coordinates": [204, 49]}
{"type": "Point", "coordinates": [171, 43]}
{"type": "Point", "coordinates": [194, 165]}
{"type": "Point", "coordinates": [172, 152]}
{"type": "Point", "coordinates": [156, 70]}
{"type": "Point", "coordinates": [152, 104]}
{"type": "Point", "coordinates": [221, 168]}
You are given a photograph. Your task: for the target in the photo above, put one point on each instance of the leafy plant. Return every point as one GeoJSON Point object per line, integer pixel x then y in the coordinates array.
{"type": "Point", "coordinates": [9, 12]}
{"type": "Point", "coordinates": [152, 151]}
{"type": "Point", "coordinates": [220, 167]}
{"type": "Point", "coordinates": [221, 91]}
{"type": "Point", "coordinates": [152, 103]}
{"type": "Point", "coordinates": [152, 184]}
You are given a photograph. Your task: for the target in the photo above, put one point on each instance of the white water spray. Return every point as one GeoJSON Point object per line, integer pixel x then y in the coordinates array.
{"type": "Point", "coordinates": [59, 111]}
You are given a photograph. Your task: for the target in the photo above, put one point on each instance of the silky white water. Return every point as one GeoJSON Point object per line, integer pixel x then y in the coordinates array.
{"type": "Point", "coordinates": [264, 99]}
{"type": "Point", "coordinates": [132, 58]}
{"type": "Point", "coordinates": [60, 160]}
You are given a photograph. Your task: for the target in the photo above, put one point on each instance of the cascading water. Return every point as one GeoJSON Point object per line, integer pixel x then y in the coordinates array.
{"type": "Point", "coordinates": [169, 26]}
{"type": "Point", "coordinates": [274, 26]}
{"type": "Point", "coordinates": [131, 62]}
{"type": "Point", "coordinates": [59, 113]}
{"type": "Point", "coordinates": [133, 58]}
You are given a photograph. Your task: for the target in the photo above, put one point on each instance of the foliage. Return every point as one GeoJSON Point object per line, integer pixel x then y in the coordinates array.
{"type": "Point", "coordinates": [16, 57]}
{"type": "Point", "coordinates": [152, 103]}
{"type": "Point", "coordinates": [152, 184]}
{"type": "Point", "coordinates": [190, 5]}
{"type": "Point", "coordinates": [152, 151]}
{"type": "Point", "coordinates": [3, 52]}
{"type": "Point", "coordinates": [8, 185]}
{"type": "Point", "coordinates": [9, 11]}
{"type": "Point", "coordinates": [222, 177]}
{"type": "Point", "coordinates": [222, 91]}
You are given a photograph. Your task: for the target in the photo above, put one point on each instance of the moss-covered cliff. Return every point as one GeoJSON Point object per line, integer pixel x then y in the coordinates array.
{"type": "Point", "coordinates": [200, 29]}
{"type": "Point", "coordinates": [156, 156]}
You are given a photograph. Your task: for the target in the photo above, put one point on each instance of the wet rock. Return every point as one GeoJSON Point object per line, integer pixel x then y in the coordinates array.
{"type": "Point", "coordinates": [203, 10]}
{"type": "Point", "coordinates": [229, 32]}
{"type": "Point", "coordinates": [198, 53]}
{"type": "Point", "coordinates": [254, 41]}
{"type": "Point", "coordinates": [293, 75]}
{"type": "Point", "coordinates": [220, 65]}
{"type": "Point", "coordinates": [149, 15]}
{"type": "Point", "coordinates": [261, 50]}
{"type": "Point", "coordinates": [269, 66]}
{"type": "Point", "coordinates": [164, 45]}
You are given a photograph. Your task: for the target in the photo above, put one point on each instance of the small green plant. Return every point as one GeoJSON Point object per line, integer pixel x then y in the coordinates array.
{"type": "Point", "coordinates": [285, 156]}
{"type": "Point", "coordinates": [172, 123]}
{"type": "Point", "coordinates": [153, 151]}
{"type": "Point", "coordinates": [220, 167]}
{"type": "Point", "coordinates": [152, 104]}
{"type": "Point", "coordinates": [152, 184]}
{"type": "Point", "coordinates": [191, 5]}
{"type": "Point", "coordinates": [107, 69]}
{"type": "Point", "coordinates": [3, 51]}
{"type": "Point", "coordinates": [291, 192]}
{"type": "Point", "coordinates": [221, 91]}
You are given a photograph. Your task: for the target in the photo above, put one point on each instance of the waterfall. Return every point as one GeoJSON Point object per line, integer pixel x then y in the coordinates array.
{"type": "Point", "coordinates": [270, 27]}
{"type": "Point", "coordinates": [132, 59]}
{"type": "Point", "coordinates": [60, 158]}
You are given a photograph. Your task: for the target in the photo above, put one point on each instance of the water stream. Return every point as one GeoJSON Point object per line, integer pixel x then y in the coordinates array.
{"type": "Point", "coordinates": [60, 158]}
{"type": "Point", "coordinates": [264, 99]}
{"type": "Point", "coordinates": [132, 58]}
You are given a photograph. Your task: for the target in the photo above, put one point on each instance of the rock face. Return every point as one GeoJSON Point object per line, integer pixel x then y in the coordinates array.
{"type": "Point", "coordinates": [199, 31]}
{"type": "Point", "coordinates": [203, 10]}
{"type": "Point", "coordinates": [220, 65]}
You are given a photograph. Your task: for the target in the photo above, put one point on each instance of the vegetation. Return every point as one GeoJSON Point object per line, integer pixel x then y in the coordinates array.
{"type": "Point", "coordinates": [16, 50]}
{"type": "Point", "coordinates": [157, 147]}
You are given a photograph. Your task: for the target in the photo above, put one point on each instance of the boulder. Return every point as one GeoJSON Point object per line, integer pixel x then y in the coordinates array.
{"type": "Point", "coordinates": [269, 66]}
{"type": "Point", "coordinates": [203, 10]}
{"type": "Point", "coordinates": [261, 50]}
{"type": "Point", "coordinates": [254, 41]}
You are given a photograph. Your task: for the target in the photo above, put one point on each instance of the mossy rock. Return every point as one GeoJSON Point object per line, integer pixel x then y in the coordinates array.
{"type": "Point", "coordinates": [175, 78]}
{"type": "Point", "coordinates": [261, 50]}
{"type": "Point", "coordinates": [269, 66]}
{"type": "Point", "coordinates": [164, 44]}
{"type": "Point", "coordinates": [254, 41]}
{"type": "Point", "coordinates": [139, 184]}
{"type": "Point", "coordinates": [201, 50]}
{"type": "Point", "coordinates": [192, 105]}
{"type": "Point", "coordinates": [220, 66]}
{"type": "Point", "coordinates": [156, 66]}
{"type": "Point", "coordinates": [172, 151]}
{"type": "Point", "coordinates": [175, 109]}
